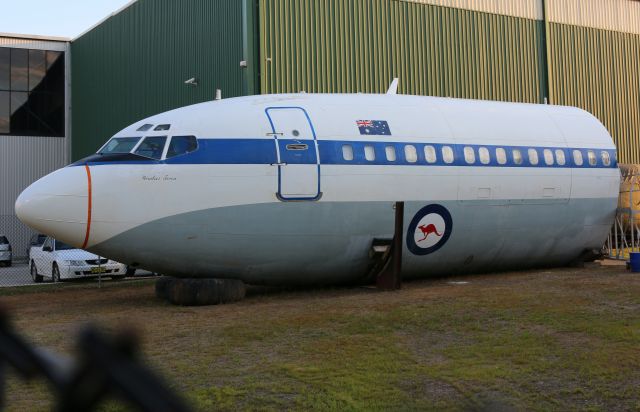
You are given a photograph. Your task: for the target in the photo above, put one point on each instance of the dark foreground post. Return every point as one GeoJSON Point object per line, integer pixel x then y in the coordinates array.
{"type": "Point", "coordinates": [105, 367]}
{"type": "Point", "coordinates": [391, 277]}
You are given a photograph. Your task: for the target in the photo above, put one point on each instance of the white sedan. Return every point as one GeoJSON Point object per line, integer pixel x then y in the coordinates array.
{"type": "Point", "coordinates": [59, 261]}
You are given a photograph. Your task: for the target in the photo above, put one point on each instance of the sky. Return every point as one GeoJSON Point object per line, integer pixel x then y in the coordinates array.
{"type": "Point", "coordinates": [62, 18]}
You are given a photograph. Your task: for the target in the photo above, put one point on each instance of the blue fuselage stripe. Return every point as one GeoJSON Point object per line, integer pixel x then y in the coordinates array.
{"type": "Point", "coordinates": [263, 151]}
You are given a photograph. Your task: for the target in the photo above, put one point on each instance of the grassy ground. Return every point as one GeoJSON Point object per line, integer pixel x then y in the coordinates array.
{"type": "Point", "coordinates": [564, 339]}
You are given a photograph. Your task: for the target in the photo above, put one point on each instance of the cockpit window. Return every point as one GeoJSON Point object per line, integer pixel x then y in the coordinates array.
{"type": "Point", "coordinates": [119, 145]}
{"type": "Point", "coordinates": [162, 127]}
{"type": "Point", "coordinates": [145, 127]}
{"type": "Point", "coordinates": [181, 145]}
{"type": "Point", "coordinates": [152, 147]}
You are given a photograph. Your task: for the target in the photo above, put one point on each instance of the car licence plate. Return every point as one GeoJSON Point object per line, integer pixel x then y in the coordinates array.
{"type": "Point", "coordinates": [98, 270]}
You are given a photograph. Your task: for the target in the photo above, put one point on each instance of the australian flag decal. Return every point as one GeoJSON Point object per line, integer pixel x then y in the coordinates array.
{"type": "Point", "coordinates": [374, 127]}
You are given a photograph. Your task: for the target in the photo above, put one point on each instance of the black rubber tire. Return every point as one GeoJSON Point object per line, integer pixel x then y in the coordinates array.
{"type": "Point", "coordinates": [200, 292]}
{"type": "Point", "coordinates": [55, 274]}
{"type": "Point", "coordinates": [34, 273]}
{"type": "Point", "coordinates": [131, 271]}
{"type": "Point", "coordinates": [162, 287]}
{"type": "Point", "coordinates": [9, 264]}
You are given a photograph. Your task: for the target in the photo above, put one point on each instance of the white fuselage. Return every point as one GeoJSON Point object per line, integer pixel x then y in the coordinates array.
{"type": "Point", "coordinates": [294, 188]}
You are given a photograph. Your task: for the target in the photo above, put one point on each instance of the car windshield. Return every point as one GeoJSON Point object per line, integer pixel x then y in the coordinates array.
{"type": "Point", "coordinates": [120, 145]}
{"type": "Point", "coordinates": [63, 246]}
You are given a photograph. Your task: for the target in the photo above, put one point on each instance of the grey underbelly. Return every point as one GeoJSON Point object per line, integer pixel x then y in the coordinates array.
{"type": "Point", "coordinates": [329, 242]}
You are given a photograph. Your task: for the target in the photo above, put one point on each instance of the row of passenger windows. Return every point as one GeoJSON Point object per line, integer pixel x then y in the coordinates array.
{"type": "Point", "coordinates": [482, 155]}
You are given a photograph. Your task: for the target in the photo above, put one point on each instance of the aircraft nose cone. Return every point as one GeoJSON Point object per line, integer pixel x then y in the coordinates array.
{"type": "Point", "coordinates": [57, 205]}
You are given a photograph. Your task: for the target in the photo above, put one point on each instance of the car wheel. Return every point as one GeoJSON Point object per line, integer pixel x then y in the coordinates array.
{"type": "Point", "coordinates": [34, 273]}
{"type": "Point", "coordinates": [55, 273]}
{"type": "Point", "coordinates": [131, 271]}
{"type": "Point", "coordinates": [9, 264]}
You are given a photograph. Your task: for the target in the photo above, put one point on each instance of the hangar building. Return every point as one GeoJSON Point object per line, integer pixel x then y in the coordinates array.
{"type": "Point", "coordinates": [135, 63]}
{"type": "Point", "coordinates": [34, 120]}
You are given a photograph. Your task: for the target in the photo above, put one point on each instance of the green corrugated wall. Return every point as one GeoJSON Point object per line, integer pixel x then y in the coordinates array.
{"type": "Point", "coordinates": [599, 71]}
{"type": "Point", "coordinates": [360, 45]}
{"type": "Point", "coordinates": [135, 63]}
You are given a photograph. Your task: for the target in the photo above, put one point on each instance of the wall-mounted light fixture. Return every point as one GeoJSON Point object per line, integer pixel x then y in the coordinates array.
{"type": "Point", "coordinates": [192, 82]}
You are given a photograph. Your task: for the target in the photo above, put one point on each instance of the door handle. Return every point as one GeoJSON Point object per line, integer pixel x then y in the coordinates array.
{"type": "Point", "coordinates": [297, 146]}
{"type": "Point", "coordinates": [278, 164]}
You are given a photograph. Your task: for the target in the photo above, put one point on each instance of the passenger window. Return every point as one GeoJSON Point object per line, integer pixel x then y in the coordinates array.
{"type": "Point", "coordinates": [180, 145]}
{"type": "Point", "coordinates": [533, 156]}
{"type": "Point", "coordinates": [410, 153]}
{"type": "Point", "coordinates": [347, 152]}
{"type": "Point", "coordinates": [577, 158]}
{"type": "Point", "coordinates": [592, 158]}
{"type": "Point", "coordinates": [390, 152]}
{"type": "Point", "coordinates": [606, 158]}
{"type": "Point", "coordinates": [430, 154]}
{"type": "Point", "coordinates": [369, 153]}
{"type": "Point", "coordinates": [447, 154]}
{"type": "Point", "coordinates": [483, 153]}
{"type": "Point", "coordinates": [469, 155]}
{"type": "Point", "coordinates": [517, 156]}
{"type": "Point", "coordinates": [560, 157]}
{"type": "Point", "coordinates": [152, 147]}
{"type": "Point", "coordinates": [548, 157]}
{"type": "Point", "coordinates": [501, 155]}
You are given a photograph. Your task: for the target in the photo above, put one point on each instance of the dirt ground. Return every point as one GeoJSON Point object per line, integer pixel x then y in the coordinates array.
{"type": "Point", "coordinates": [565, 339]}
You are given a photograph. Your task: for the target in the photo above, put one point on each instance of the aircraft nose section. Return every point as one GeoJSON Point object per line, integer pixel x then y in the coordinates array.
{"type": "Point", "coordinates": [58, 205]}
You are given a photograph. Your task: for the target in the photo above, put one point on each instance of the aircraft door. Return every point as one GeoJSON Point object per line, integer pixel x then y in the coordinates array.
{"type": "Point", "coordinates": [297, 149]}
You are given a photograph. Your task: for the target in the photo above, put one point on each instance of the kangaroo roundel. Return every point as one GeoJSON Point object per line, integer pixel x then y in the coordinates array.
{"type": "Point", "coordinates": [429, 230]}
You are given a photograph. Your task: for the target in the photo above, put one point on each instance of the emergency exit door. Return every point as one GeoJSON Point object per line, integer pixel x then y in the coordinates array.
{"type": "Point", "coordinates": [297, 151]}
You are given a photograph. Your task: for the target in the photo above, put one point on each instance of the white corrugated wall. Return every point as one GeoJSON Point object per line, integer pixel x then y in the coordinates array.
{"type": "Point", "coordinates": [529, 9]}
{"type": "Point", "coordinates": [615, 15]}
{"type": "Point", "coordinates": [23, 160]}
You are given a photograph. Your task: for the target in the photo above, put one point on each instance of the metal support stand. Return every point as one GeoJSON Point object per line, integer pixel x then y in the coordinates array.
{"type": "Point", "coordinates": [390, 278]}
{"type": "Point", "coordinates": [624, 236]}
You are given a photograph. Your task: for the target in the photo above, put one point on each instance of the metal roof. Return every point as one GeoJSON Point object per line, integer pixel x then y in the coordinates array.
{"type": "Point", "coordinates": [34, 37]}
